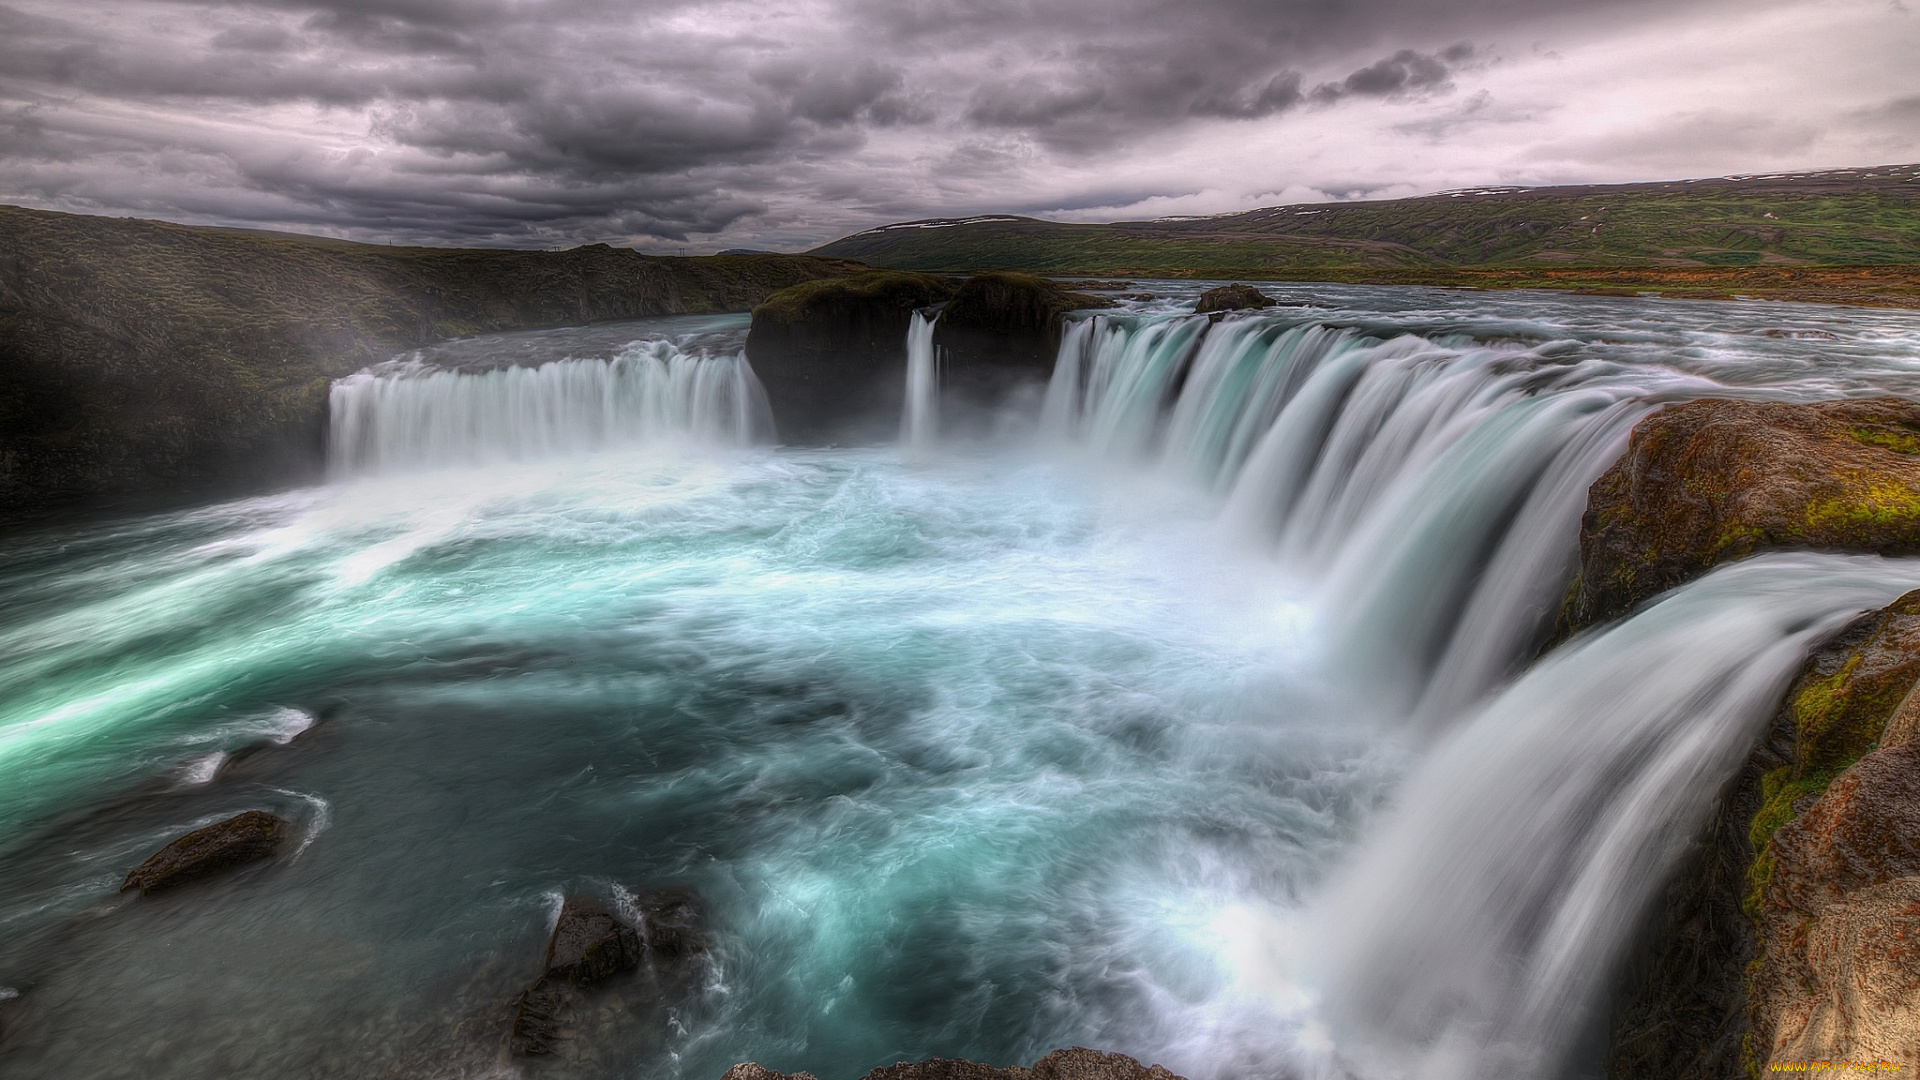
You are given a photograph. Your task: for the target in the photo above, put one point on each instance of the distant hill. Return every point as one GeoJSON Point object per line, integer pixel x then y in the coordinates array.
{"type": "Point", "coordinates": [1843, 217]}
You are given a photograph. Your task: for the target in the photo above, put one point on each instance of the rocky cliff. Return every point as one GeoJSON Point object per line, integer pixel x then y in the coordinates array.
{"type": "Point", "coordinates": [139, 354]}
{"type": "Point", "coordinates": [832, 353]}
{"type": "Point", "coordinates": [1790, 934]}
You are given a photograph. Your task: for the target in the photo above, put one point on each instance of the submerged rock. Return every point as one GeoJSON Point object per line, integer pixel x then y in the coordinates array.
{"type": "Point", "coordinates": [591, 944]}
{"type": "Point", "coordinates": [831, 353]}
{"type": "Point", "coordinates": [1233, 297]}
{"type": "Point", "coordinates": [670, 925]}
{"type": "Point", "coordinates": [240, 839]}
{"type": "Point", "coordinates": [1077, 1063]}
{"type": "Point", "coordinates": [1711, 481]}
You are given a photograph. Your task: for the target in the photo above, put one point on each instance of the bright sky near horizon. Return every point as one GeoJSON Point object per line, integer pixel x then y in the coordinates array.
{"type": "Point", "coordinates": [697, 125]}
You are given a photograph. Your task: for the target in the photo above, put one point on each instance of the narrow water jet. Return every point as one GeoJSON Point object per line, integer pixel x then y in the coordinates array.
{"type": "Point", "coordinates": [920, 415]}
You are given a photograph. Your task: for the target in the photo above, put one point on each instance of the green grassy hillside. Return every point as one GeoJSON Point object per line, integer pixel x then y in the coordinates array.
{"type": "Point", "coordinates": [1843, 217]}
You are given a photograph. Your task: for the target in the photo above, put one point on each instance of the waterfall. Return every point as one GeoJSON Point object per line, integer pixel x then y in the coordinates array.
{"type": "Point", "coordinates": [1474, 938]}
{"type": "Point", "coordinates": [408, 415]}
{"type": "Point", "coordinates": [920, 416]}
{"type": "Point", "coordinates": [1431, 489]}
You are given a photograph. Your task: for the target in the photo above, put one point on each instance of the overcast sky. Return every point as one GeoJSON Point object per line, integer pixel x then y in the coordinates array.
{"type": "Point", "coordinates": [696, 125]}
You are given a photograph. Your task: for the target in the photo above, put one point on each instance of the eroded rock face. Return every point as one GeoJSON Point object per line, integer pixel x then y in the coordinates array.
{"type": "Point", "coordinates": [1233, 297]}
{"type": "Point", "coordinates": [1077, 1063]}
{"type": "Point", "coordinates": [1710, 481]}
{"type": "Point", "coordinates": [998, 338]}
{"type": "Point", "coordinates": [240, 839]}
{"type": "Point", "coordinates": [1007, 320]}
{"type": "Point", "coordinates": [1838, 976]}
{"type": "Point", "coordinates": [831, 353]}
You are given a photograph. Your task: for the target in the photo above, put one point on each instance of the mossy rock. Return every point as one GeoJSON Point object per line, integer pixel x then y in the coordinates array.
{"type": "Point", "coordinates": [1712, 481]}
{"type": "Point", "coordinates": [836, 300]}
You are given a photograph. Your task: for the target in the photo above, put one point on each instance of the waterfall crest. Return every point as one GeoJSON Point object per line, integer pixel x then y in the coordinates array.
{"type": "Point", "coordinates": [1432, 489]}
{"type": "Point", "coordinates": [920, 416]}
{"type": "Point", "coordinates": [408, 415]}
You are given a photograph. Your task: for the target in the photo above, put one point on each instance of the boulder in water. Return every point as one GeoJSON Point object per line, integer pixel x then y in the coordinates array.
{"type": "Point", "coordinates": [591, 944]}
{"type": "Point", "coordinates": [1711, 481]}
{"type": "Point", "coordinates": [1234, 297]}
{"type": "Point", "coordinates": [240, 839]}
{"type": "Point", "coordinates": [832, 352]}
{"type": "Point", "coordinates": [1077, 1063]}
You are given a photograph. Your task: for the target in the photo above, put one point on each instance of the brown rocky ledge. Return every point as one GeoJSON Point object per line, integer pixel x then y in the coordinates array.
{"type": "Point", "coordinates": [1712, 481]}
{"type": "Point", "coordinates": [1077, 1063]}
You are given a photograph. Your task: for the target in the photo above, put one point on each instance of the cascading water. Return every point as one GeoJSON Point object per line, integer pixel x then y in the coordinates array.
{"type": "Point", "coordinates": [920, 416]}
{"type": "Point", "coordinates": [1416, 480]}
{"type": "Point", "coordinates": [1474, 938]}
{"type": "Point", "coordinates": [411, 415]}
{"type": "Point", "coordinates": [1431, 488]}
{"type": "Point", "coordinates": [1212, 753]}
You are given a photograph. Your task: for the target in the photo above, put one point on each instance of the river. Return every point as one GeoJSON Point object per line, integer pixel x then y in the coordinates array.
{"type": "Point", "coordinates": [1187, 712]}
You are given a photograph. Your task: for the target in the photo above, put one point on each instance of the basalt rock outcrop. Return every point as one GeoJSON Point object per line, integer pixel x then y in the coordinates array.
{"type": "Point", "coordinates": [1077, 1063]}
{"type": "Point", "coordinates": [831, 353]}
{"type": "Point", "coordinates": [1711, 481]}
{"type": "Point", "coordinates": [241, 839]}
{"type": "Point", "coordinates": [1235, 297]}
{"type": "Point", "coordinates": [1007, 320]}
{"type": "Point", "coordinates": [140, 353]}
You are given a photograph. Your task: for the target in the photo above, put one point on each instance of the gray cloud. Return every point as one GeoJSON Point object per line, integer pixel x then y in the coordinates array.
{"type": "Point", "coordinates": [1403, 74]}
{"type": "Point", "coordinates": [715, 122]}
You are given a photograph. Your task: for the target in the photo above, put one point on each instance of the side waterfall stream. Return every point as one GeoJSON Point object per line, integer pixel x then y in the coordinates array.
{"type": "Point", "coordinates": [1199, 723]}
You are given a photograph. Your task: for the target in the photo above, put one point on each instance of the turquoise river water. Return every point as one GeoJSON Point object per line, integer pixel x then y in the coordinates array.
{"type": "Point", "coordinates": [1185, 710]}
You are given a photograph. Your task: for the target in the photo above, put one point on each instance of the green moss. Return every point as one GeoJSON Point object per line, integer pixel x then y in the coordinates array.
{"type": "Point", "coordinates": [1779, 791]}
{"type": "Point", "coordinates": [1872, 510]}
{"type": "Point", "coordinates": [1897, 439]}
{"type": "Point", "coordinates": [896, 287]}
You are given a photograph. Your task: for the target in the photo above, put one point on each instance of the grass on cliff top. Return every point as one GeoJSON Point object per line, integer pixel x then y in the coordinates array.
{"type": "Point", "coordinates": [895, 287]}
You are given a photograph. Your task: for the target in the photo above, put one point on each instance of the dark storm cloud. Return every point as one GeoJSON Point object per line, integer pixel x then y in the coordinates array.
{"type": "Point", "coordinates": [530, 122]}
{"type": "Point", "coordinates": [1405, 72]}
